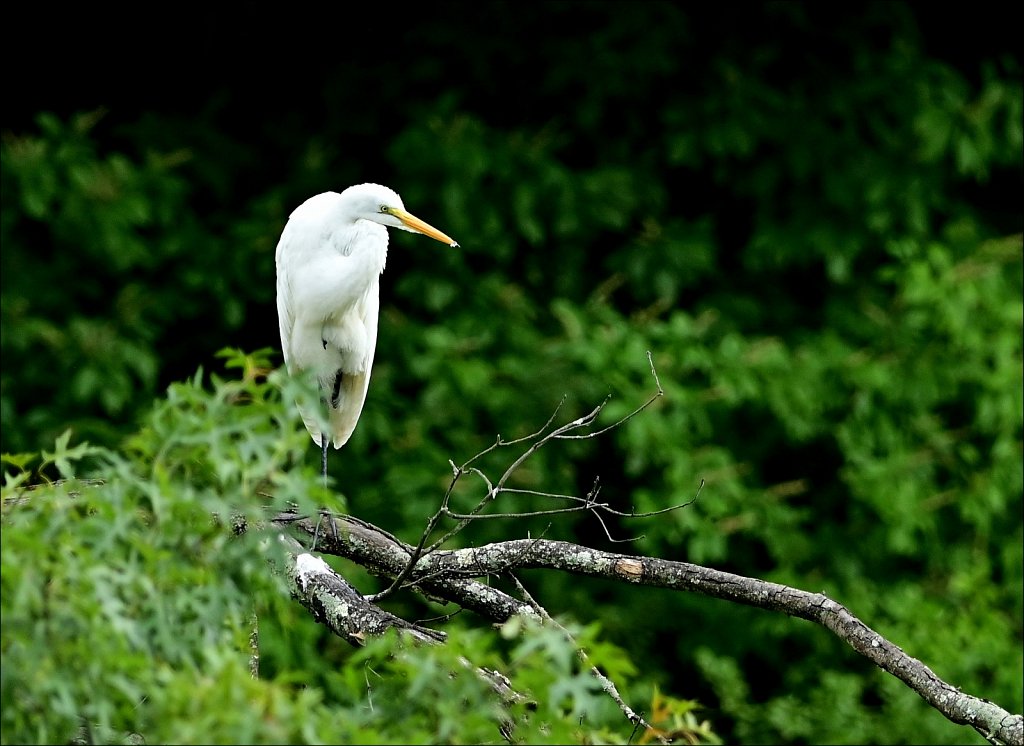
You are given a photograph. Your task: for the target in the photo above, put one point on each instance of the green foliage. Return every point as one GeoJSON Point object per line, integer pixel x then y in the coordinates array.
{"type": "Point", "coordinates": [128, 601]}
{"type": "Point", "coordinates": [810, 219]}
{"type": "Point", "coordinates": [106, 273]}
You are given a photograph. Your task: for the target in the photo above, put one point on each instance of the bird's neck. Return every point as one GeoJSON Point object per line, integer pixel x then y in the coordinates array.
{"type": "Point", "coordinates": [367, 243]}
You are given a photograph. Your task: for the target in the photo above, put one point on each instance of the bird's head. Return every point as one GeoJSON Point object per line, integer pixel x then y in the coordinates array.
{"type": "Point", "coordinates": [383, 205]}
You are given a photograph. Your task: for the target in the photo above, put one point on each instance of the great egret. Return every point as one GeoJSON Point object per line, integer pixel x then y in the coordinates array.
{"type": "Point", "coordinates": [329, 260]}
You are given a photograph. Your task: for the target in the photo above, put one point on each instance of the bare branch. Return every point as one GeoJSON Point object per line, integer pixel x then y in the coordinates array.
{"type": "Point", "coordinates": [448, 575]}
{"type": "Point", "coordinates": [384, 555]}
{"type": "Point", "coordinates": [338, 605]}
{"type": "Point", "coordinates": [445, 575]}
{"type": "Point", "coordinates": [563, 432]}
{"type": "Point", "coordinates": [990, 720]}
{"type": "Point", "coordinates": [659, 393]}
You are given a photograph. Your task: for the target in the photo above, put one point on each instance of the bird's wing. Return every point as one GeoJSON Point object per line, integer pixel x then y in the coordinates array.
{"type": "Point", "coordinates": [346, 397]}
{"type": "Point", "coordinates": [287, 311]}
{"type": "Point", "coordinates": [285, 306]}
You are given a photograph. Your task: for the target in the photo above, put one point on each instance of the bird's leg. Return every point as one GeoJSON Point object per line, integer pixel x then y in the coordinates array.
{"type": "Point", "coordinates": [324, 444]}
{"type": "Point", "coordinates": [324, 437]}
{"type": "Point", "coordinates": [323, 455]}
{"type": "Point", "coordinates": [323, 470]}
{"type": "Point", "coordinates": [316, 531]}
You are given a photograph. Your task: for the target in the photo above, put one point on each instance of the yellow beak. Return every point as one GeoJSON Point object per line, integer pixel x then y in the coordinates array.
{"type": "Point", "coordinates": [413, 223]}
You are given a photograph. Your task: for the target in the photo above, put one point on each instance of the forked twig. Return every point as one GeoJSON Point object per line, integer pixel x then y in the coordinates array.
{"type": "Point", "coordinates": [536, 440]}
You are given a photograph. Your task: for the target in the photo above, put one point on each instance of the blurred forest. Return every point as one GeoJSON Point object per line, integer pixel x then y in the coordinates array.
{"type": "Point", "coordinates": [810, 215]}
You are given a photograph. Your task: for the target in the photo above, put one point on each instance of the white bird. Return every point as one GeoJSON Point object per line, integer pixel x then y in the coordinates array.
{"type": "Point", "coordinates": [329, 260]}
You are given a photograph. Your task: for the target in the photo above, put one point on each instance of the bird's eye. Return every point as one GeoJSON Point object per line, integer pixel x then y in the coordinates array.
{"type": "Point", "coordinates": [385, 208]}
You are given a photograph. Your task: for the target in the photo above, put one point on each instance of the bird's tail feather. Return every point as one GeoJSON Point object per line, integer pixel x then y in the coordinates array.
{"type": "Point", "coordinates": [343, 413]}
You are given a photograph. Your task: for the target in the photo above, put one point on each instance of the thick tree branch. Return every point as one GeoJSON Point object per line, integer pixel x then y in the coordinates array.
{"type": "Point", "coordinates": [448, 574]}
{"type": "Point", "coordinates": [990, 720]}
{"type": "Point", "coordinates": [385, 556]}
{"type": "Point", "coordinates": [339, 606]}
{"type": "Point", "coordinates": [336, 604]}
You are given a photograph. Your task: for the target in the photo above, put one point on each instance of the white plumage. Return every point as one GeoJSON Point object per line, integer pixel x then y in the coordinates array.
{"type": "Point", "coordinates": [329, 260]}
